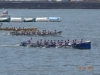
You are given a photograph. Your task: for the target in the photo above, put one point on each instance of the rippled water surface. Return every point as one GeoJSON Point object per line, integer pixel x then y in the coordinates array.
{"type": "Point", "coordinates": [75, 24]}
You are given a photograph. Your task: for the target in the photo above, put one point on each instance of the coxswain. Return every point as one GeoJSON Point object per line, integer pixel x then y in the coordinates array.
{"type": "Point", "coordinates": [29, 41]}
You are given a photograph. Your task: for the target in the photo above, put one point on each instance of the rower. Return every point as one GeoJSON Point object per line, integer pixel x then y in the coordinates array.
{"type": "Point", "coordinates": [41, 43]}
{"type": "Point", "coordinates": [81, 40]}
{"type": "Point", "coordinates": [55, 31]}
{"type": "Point", "coordinates": [61, 42]}
{"type": "Point", "coordinates": [54, 43]}
{"type": "Point", "coordinates": [48, 32]}
{"type": "Point", "coordinates": [0, 25]}
{"type": "Point", "coordinates": [45, 43]}
{"type": "Point", "coordinates": [48, 42]}
{"type": "Point", "coordinates": [66, 43]}
{"type": "Point", "coordinates": [75, 42]}
{"type": "Point", "coordinates": [38, 32]}
{"type": "Point", "coordinates": [42, 31]}
{"type": "Point", "coordinates": [58, 42]}
{"type": "Point", "coordinates": [37, 43]}
{"type": "Point", "coordinates": [45, 32]}
{"type": "Point", "coordinates": [51, 43]}
{"type": "Point", "coordinates": [14, 28]}
{"type": "Point", "coordinates": [23, 28]}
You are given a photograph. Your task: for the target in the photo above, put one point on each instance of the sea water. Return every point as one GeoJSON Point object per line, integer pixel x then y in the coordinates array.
{"type": "Point", "coordinates": [75, 24]}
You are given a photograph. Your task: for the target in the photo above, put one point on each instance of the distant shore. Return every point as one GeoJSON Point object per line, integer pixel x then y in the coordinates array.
{"type": "Point", "coordinates": [48, 5]}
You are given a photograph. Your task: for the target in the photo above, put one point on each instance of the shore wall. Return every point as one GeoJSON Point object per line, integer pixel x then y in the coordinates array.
{"type": "Point", "coordinates": [49, 5]}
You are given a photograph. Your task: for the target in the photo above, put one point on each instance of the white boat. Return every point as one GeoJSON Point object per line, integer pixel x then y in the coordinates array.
{"type": "Point", "coordinates": [5, 14]}
{"type": "Point", "coordinates": [16, 19]}
{"type": "Point", "coordinates": [42, 19]}
{"type": "Point", "coordinates": [4, 19]}
{"type": "Point", "coordinates": [29, 20]}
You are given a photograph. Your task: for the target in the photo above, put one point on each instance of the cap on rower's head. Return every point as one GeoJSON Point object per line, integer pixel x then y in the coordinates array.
{"type": "Point", "coordinates": [40, 39]}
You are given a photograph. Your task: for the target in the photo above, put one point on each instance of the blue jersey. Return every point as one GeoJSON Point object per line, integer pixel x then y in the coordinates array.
{"type": "Point", "coordinates": [29, 41]}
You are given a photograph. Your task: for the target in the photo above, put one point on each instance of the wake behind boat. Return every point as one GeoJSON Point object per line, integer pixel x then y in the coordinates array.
{"type": "Point", "coordinates": [58, 44]}
{"type": "Point", "coordinates": [36, 33]}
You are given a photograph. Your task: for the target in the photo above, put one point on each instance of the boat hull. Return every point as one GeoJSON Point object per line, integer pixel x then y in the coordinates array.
{"type": "Point", "coordinates": [85, 45]}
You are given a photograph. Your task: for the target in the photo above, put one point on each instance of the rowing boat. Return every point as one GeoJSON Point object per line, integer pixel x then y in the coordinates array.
{"type": "Point", "coordinates": [84, 45]}
{"type": "Point", "coordinates": [18, 29]}
{"type": "Point", "coordinates": [36, 33]}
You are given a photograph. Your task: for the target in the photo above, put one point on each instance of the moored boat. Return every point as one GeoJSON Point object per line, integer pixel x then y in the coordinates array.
{"type": "Point", "coordinates": [4, 19]}
{"type": "Point", "coordinates": [5, 14]}
{"type": "Point", "coordinates": [29, 20]}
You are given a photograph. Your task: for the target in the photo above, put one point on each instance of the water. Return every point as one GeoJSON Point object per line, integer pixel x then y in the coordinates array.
{"type": "Point", "coordinates": [75, 24]}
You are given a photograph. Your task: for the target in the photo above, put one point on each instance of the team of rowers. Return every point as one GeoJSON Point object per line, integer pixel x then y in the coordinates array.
{"type": "Point", "coordinates": [37, 32]}
{"type": "Point", "coordinates": [19, 28]}
{"type": "Point", "coordinates": [55, 42]}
